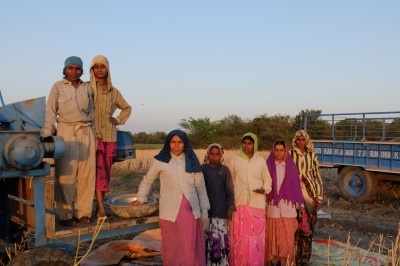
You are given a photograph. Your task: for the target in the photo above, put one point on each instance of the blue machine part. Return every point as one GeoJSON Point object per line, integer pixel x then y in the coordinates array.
{"type": "Point", "coordinates": [20, 143]}
{"type": "Point", "coordinates": [26, 115]}
{"type": "Point", "coordinates": [54, 147]}
{"type": "Point", "coordinates": [125, 146]}
{"type": "Point", "coordinates": [23, 151]}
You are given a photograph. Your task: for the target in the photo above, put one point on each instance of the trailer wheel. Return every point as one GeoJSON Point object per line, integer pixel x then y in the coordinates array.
{"type": "Point", "coordinates": [357, 184]}
{"type": "Point", "coordinates": [42, 257]}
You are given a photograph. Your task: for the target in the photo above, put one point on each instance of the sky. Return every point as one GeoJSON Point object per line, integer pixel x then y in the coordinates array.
{"type": "Point", "coordinates": [174, 60]}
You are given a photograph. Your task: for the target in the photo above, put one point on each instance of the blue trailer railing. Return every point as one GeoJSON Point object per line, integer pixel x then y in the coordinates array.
{"type": "Point", "coordinates": [373, 126]}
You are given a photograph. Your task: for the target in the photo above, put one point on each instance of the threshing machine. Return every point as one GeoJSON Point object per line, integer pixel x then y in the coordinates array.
{"type": "Point", "coordinates": [26, 187]}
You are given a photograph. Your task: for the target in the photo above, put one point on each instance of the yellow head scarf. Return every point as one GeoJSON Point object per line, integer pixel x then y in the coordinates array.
{"type": "Point", "coordinates": [99, 59]}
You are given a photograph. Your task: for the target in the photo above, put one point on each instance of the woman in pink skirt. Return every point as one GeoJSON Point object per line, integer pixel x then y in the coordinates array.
{"type": "Point", "coordinates": [184, 203]}
{"type": "Point", "coordinates": [251, 181]}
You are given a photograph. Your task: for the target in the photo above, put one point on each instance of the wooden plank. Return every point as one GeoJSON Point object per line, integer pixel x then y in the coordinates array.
{"type": "Point", "coordinates": [75, 231]}
{"type": "Point", "coordinates": [115, 224]}
{"type": "Point", "coordinates": [49, 203]}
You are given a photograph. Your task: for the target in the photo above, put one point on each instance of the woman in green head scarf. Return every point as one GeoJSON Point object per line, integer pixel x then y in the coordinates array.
{"type": "Point", "coordinates": [249, 145]}
{"type": "Point", "coordinates": [251, 181]}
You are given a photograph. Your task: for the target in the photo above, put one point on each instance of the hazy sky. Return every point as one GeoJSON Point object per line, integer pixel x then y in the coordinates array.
{"type": "Point", "coordinates": [178, 59]}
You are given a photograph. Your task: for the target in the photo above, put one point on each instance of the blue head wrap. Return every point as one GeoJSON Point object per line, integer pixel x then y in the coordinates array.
{"type": "Point", "coordinates": [73, 60]}
{"type": "Point", "coordinates": [191, 160]}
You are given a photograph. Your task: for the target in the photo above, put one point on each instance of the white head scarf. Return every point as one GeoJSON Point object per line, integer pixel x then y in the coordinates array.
{"type": "Point", "coordinates": [216, 145]}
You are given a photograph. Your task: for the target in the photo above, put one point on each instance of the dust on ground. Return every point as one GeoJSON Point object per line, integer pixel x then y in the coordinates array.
{"type": "Point", "coordinates": [372, 225]}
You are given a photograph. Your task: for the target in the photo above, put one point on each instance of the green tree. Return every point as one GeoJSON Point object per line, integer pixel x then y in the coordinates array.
{"type": "Point", "coordinates": [233, 129]}
{"type": "Point", "coordinates": [141, 137]}
{"type": "Point", "coordinates": [201, 131]}
{"type": "Point", "coordinates": [157, 137]}
{"type": "Point", "coordinates": [316, 124]}
{"type": "Point", "coordinates": [234, 125]}
{"type": "Point", "coordinates": [152, 138]}
{"type": "Point", "coordinates": [270, 129]}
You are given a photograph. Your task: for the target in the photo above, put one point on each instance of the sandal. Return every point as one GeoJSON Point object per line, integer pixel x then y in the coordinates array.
{"type": "Point", "coordinates": [105, 217]}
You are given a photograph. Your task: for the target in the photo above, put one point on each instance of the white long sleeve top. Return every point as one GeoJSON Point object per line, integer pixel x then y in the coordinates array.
{"type": "Point", "coordinates": [247, 175]}
{"type": "Point", "coordinates": [174, 183]}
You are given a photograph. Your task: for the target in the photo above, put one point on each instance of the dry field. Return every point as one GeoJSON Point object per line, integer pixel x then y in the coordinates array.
{"type": "Point", "coordinates": [373, 226]}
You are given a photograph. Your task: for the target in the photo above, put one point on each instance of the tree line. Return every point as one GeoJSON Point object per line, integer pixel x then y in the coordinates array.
{"type": "Point", "coordinates": [229, 130]}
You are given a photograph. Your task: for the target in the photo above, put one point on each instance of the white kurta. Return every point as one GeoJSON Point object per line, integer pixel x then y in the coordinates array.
{"type": "Point", "coordinates": [175, 182]}
{"type": "Point", "coordinates": [247, 175]}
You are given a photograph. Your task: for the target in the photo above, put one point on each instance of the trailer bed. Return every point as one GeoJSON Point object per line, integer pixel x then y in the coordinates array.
{"type": "Point", "coordinates": [364, 147]}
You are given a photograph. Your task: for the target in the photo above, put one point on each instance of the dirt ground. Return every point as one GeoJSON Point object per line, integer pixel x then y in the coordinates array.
{"type": "Point", "coordinates": [373, 222]}
{"type": "Point", "coordinates": [367, 225]}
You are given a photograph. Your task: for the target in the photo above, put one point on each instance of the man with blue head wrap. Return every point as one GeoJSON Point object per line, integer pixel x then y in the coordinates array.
{"type": "Point", "coordinates": [69, 114]}
{"type": "Point", "coordinates": [74, 61]}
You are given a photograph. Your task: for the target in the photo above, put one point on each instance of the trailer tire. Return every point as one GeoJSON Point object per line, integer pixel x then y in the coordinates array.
{"type": "Point", "coordinates": [356, 184]}
{"type": "Point", "coordinates": [43, 256]}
